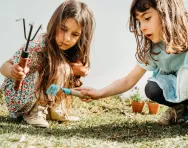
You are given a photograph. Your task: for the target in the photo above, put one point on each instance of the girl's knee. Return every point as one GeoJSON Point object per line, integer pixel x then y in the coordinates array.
{"type": "Point", "coordinates": [152, 90]}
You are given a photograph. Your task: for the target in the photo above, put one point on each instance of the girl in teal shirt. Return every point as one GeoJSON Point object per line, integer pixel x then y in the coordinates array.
{"type": "Point", "coordinates": [161, 31]}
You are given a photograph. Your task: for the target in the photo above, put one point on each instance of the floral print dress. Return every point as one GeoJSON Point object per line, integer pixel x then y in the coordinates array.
{"type": "Point", "coordinates": [20, 102]}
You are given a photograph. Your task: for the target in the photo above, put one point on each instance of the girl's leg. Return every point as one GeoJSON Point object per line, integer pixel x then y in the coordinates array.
{"type": "Point", "coordinates": [175, 110]}
{"type": "Point", "coordinates": [182, 89]}
{"type": "Point", "coordinates": [37, 116]}
{"type": "Point", "coordinates": [59, 110]}
{"type": "Point", "coordinates": [155, 93]}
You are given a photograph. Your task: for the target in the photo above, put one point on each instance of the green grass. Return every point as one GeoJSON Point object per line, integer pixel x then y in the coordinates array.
{"type": "Point", "coordinates": [108, 123]}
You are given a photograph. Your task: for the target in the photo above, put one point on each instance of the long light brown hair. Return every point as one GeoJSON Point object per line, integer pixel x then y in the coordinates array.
{"type": "Point", "coordinates": [51, 70]}
{"type": "Point", "coordinates": [174, 21]}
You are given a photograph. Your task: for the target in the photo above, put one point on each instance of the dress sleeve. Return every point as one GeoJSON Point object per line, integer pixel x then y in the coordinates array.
{"type": "Point", "coordinates": [34, 47]}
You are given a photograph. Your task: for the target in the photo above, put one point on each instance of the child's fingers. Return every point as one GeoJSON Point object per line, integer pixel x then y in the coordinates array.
{"type": "Point", "coordinates": [17, 76]}
{"type": "Point", "coordinates": [86, 100]}
{"type": "Point", "coordinates": [18, 68]}
{"type": "Point", "coordinates": [17, 73]}
{"type": "Point", "coordinates": [83, 88]}
{"type": "Point", "coordinates": [87, 92]}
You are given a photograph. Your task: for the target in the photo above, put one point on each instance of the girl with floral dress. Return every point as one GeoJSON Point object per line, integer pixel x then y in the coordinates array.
{"type": "Point", "coordinates": [60, 56]}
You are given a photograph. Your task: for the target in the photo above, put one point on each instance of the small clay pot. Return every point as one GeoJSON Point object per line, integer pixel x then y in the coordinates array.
{"type": "Point", "coordinates": [137, 106]}
{"type": "Point", "coordinates": [153, 107]}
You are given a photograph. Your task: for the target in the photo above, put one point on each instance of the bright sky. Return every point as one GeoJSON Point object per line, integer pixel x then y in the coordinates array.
{"type": "Point", "coordinates": [113, 47]}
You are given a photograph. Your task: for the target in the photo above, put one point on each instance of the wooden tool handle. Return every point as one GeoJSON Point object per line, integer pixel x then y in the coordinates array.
{"type": "Point", "coordinates": [79, 94]}
{"type": "Point", "coordinates": [23, 64]}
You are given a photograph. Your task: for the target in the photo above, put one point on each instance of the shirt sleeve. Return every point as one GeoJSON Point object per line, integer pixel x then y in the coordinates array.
{"type": "Point", "coordinates": [150, 67]}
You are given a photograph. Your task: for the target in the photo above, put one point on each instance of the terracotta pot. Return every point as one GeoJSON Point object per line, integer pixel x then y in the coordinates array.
{"type": "Point", "coordinates": [137, 106]}
{"type": "Point", "coordinates": [153, 107]}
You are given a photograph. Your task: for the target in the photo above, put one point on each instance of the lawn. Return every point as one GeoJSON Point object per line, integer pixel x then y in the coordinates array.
{"type": "Point", "coordinates": [108, 123]}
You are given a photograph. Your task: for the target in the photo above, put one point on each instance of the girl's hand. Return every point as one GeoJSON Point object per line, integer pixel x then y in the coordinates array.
{"type": "Point", "coordinates": [17, 72]}
{"type": "Point", "coordinates": [93, 93]}
{"type": "Point", "coordinates": [78, 69]}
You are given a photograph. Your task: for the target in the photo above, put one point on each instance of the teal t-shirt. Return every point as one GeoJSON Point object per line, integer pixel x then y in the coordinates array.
{"type": "Point", "coordinates": [165, 69]}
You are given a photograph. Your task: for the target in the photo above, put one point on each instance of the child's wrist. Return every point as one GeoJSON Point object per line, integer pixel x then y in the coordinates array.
{"type": "Point", "coordinates": [102, 93]}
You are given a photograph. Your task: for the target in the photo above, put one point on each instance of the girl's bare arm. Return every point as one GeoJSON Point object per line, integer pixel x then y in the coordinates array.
{"type": "Point", "coordinates": [117, 87]}
{"type": "Point", "coordinates": [14, 71]}
{"type": "Point", "coordinates": [6, 68]}
{"type": "Point", "coordinates": [124, 84]}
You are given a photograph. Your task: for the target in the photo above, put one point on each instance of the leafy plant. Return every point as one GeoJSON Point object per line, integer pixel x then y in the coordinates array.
{"type": "Point", "coordinates": [136, 96]}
